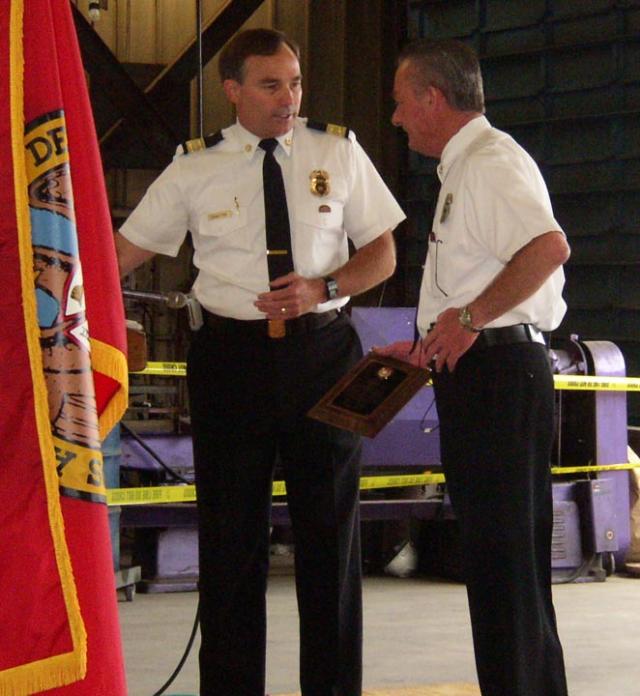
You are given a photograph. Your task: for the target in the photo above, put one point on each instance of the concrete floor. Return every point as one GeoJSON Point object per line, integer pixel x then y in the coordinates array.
{"type": "Point", "coordinates": [416, 632]}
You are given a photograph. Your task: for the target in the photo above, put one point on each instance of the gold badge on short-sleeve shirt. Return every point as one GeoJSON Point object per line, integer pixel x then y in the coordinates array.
{"type": "Point", "coordinates": [320, 185]}
{"type": "Point", "coordinates": [448, 201]}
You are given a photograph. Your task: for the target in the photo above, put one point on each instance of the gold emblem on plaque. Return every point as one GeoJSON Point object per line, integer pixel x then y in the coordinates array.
{"type": "Point", "coordinates": [385, 372]}
{"type": "Point", "coordinates": [320, 185]}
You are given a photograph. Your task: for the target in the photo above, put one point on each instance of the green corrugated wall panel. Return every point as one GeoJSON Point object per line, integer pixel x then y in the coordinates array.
{"type": "Point", "coordinates": [571, 8]}
{"type": "Point", "coordinates": [602, 288]}
{"type": "Point", "coordinates": [502, 15]}
{"type": "Point", "coordinates": [564, 78]}
{"type": "Point", "coordinates": [611, 248]}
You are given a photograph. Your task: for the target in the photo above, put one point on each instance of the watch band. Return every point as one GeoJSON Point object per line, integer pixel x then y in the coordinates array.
{"type": "Point", "coordinates": [464, 317]}
{"type": "Point", "coordinates": [331, 287]}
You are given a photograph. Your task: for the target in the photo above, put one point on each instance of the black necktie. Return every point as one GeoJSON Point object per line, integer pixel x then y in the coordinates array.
{"type": "Point", "coordinates": [276, 214]}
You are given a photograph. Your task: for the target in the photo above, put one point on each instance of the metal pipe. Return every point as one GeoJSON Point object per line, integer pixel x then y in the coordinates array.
{"type": "Point", "coordinates": [173, 300]}
{"type": "Point", "coordinates": [200, 107]}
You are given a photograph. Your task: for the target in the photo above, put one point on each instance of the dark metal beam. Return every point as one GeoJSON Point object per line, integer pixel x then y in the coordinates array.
{"type": "Point", "coordinates": [121, 99]}
{"type": "Point", "coordinates": [216, 33]}
{"type": "Point", "coordinates": [162, 91]}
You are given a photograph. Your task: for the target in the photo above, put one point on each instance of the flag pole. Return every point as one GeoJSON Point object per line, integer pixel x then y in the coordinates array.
{"type": "Point", "coordinates": [200, 116]}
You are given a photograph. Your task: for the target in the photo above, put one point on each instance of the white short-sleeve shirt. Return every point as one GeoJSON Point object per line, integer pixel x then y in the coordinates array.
{"type": "Point", "coordinates": [492, 202]}
{"type": "Point", "coordinates": [217, 195]}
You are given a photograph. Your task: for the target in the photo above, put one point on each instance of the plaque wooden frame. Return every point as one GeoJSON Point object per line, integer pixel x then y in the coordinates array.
{"type": "Point", "coordinates": [370, 394]}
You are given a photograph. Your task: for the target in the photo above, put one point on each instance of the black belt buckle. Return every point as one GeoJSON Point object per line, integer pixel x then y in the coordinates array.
{"type": "Point", "coordinates": [273, 328]}
{"type": "Point", "coordinates": [309, 322]}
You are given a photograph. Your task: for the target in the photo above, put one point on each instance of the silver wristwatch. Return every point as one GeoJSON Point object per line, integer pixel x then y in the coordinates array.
{"type": "Point", "coordinates": [464, 317]}
{"type": "Point", "coordinates": [331, 287]}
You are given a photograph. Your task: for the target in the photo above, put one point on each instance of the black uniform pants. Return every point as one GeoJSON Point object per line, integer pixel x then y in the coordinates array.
{"type": "Point", "coordinates": [496, 430]}
{"type": "Point", "coordinates": [249, 394]}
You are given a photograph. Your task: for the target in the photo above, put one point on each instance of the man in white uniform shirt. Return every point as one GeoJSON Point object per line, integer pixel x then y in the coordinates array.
{"type": "Point", "coordinates": [492, 283]}
{"type": "Point", "coordinates": [270, 347]}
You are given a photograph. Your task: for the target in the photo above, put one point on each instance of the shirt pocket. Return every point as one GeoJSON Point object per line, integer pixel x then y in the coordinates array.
{"type": "Point", "coordinates": [322, 214]}
{"type": "Point", "coordinates": [320, 242]}
{"type": "Point", "coordinates": [225, 227]}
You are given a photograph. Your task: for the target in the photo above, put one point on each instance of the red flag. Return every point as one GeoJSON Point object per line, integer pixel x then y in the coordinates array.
{"type": "Point", "coordinates": [63, 382]}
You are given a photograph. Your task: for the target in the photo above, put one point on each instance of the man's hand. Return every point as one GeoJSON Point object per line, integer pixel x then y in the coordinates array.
{"type": "Point", "coordinates": [447, 341]}
{"type": "Point", "coordinates": [402, 350]}
{"type": "Point", "coordinates": [291, 296]}
{"type": "Point", "coordinates": [370, 265]}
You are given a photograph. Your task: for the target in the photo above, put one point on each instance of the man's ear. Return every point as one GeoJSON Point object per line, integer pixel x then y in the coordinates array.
{"type": "Point", "coordinates": [433, 99]}
{"type": "Point", "coordinates": [231, 89]}
{"type": "Point", "coordinates": [431, 96]}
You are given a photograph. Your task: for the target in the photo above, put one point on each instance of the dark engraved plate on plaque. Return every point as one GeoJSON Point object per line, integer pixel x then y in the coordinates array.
{"type": "Point", "coordinates": [370, 395]}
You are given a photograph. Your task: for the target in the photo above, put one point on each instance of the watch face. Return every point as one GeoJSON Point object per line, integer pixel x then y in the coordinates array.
{"type": "Point", "coordinates": [332, 288]}
{"type": "Point", "coordinates": [464, 317]}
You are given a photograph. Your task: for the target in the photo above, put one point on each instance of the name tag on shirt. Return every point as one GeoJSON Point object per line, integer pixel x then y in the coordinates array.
{"type": "Point", "coordinates": [220, 214]}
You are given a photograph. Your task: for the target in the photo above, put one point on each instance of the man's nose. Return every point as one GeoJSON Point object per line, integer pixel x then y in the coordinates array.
{"type": "Point", "coordinates": [287, 96]}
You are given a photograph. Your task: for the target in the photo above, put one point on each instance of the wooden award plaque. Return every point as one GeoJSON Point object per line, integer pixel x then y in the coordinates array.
{"type": "Point", "coordinates": [370, 395]}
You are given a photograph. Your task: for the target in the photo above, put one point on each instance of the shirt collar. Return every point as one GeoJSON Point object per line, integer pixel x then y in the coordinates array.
{"type": "Point", "coordinates": [249, 141]}
{"type": "Point", "coordinates": [460, 142]}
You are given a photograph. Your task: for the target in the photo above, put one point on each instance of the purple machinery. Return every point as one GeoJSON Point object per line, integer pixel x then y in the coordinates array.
{"type": "Point", "coordinates": [591, 513]}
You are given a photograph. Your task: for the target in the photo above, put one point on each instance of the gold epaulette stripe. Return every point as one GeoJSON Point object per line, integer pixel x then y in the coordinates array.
{"type": "Point", "coordinates": [331, 128]}
{"type": "Point", "coordinates": [197, 144]}
{"type": "Point", "coordinates": [194, 145]}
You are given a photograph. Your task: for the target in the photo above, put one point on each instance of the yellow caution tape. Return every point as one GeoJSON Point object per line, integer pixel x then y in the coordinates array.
{"type": "Point", "coordinates": [571, 382]}
{"type": "Point", "coordinates": [596, 383]}
{"type": "Point", "coordinates": [399, 480]}
{"type": "Point", "coordinates": [591, 469]}
{"type": "Point", "coordinates": [151, 495]}
{"type": "Point", "coordinates": [164, 369]}
{"type": "Point", "coordinates": [187, 493]}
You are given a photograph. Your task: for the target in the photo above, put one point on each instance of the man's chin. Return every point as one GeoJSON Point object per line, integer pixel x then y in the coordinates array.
{"type": "Point", "coordinates": [276, 127]}
{"type": "Point", "coordinates": [283, 125]}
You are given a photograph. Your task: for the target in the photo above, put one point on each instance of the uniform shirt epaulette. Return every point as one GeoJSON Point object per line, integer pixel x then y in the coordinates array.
{"type": "Point", "coordinates": [202, 143]}
{"type": "Point", "coordinates": [332, 128]}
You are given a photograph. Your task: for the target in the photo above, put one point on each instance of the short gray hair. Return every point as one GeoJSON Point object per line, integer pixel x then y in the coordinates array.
{"type": "Point", "coordinates": [449, 65]}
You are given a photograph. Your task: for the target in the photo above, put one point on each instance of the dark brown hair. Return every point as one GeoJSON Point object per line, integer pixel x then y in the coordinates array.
{"type": "Point", "coordinates": [252, 42]}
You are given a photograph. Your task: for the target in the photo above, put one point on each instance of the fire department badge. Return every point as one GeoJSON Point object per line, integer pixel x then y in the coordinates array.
{"type": "Point", "coordinates": [320, 185]}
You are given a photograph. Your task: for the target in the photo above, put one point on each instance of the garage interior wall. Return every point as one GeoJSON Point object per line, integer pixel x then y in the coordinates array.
{"type": "Point", "coordinates": [563, 77]}
{"type": "Point", "coordinates": [146, 36]}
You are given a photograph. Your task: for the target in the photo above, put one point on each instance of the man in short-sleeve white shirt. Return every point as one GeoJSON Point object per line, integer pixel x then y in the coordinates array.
{"type": "Point", "coordinates": [270, 347]}
{"type": "Point", "coordinates": [492, 284]}
{"type": "Point", "coordinates": [216, 193]}
{"type": "Point", "coordinates": [496, 202]}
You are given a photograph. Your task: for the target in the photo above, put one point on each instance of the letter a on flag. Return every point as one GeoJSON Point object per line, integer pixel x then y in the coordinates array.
{"type": "Point", "coordinates": [63, 375]}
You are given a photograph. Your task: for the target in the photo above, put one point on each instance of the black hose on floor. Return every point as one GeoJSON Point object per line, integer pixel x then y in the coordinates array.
{"type": "Point", "coordinates": [184, 657]}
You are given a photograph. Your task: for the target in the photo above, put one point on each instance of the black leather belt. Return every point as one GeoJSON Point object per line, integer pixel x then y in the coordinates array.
{"type": "Point", "coordinates": [299, 325]}
{"type": "Point", "coordinates": [518, 333]}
